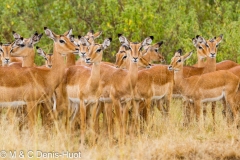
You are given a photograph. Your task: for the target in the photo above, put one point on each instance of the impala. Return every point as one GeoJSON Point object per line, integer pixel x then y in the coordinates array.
{"type": "Point", "coordinates": [123, 82]}
{"type": "Point", "coordinates": [150, 53]}
{"type": "Point", "coordinates": [29, 86]}
{"type": "Point", "coordinates": [224, 65]}
{"type": "Point", "coordinates": [83, 83]}
{"type": "Point", "coordinates": [81, 43]}
{"type": "Point", "coordinates": [23, 47]}
{"type": "Point", "coordinates": [47, 58]}
{"type": "Point", "coordinates": [208, 87]}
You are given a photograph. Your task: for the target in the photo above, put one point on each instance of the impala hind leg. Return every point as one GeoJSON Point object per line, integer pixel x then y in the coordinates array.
{"type": "Point", "coordinates": [83, 121]}
{"type": "Point", "coordinates": [12, 115]}
{"type": "Point", "coordinates": [135, 124]}
{"type": "Point", "coordinates": [94, 120]}
{"type": "Point", "coordinates": [32, 115]}
{"type": "Point", "coordinates": [187, 107]}
{"type": "Point", "coordinates": [124, 118]}
{"type": "Point", "coordinates": [148, 116]}
{"type": "Point", "coordinates": [167, 101]}
{"type": "Point", "coordinates": [213, 114]}
{"type": "Point", "coordinates": [233, 106]}
{"type": "Point", "coordinates": [100, 109]}
{"type": "Point", "coordinates": [142, 110]}
{"type": "Point", "coordinates": [198, 112]}
{"type": "Point", "coordinates": [118, 112]}
{"type": "Point", "coordinates": [108, 111]}
{"type": "Point", "coordinates": [204, 110]}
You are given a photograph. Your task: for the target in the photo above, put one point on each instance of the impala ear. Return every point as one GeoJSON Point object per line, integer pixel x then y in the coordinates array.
{"type": "Point", "coordinates": [68, 34]}
{"type": "Point", "coordinates": [195, 41]}
{"type": "Point", "coordinates": [15, 35]}
{"type": "Point", "coordinates": [201, 39]}
{"type": "Point", "coordinates": [90, 33]}
{"type": "Point", "coordinates": [178, 53]}
{"type": "Point", "coordinates": [187, 55]}
{"type": "Point", "coordinates": [41, 52]}
{"type": "Point", "coordinates": [160, 43]}
{"type": "Point", "coordinates": [84, 41]}
{"type": "Point", "coordinates": [1, 49]}
{"type": "Point", "coordinates": [35, 39]}
{"type": "Point", "coordinates": [50, 34]}
{"type": "Point", "coordinates": [18, 41]}
{"type": "Point", "coordinates": [97, 34]}
{"type": "Point", "coordinates": [157, 45]}
{"type": "Point", "coordinates": [123, 40]}
{"type": "Point", "coordinates": [147, 41]}
{"type": "Point", "coordinates": [219, 39]}
{"type": "Point", "coordinates": [106, 43]}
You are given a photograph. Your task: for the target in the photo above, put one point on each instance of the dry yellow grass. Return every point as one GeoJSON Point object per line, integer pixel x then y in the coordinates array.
{"type": "Point", "coordinates": [165, 140]}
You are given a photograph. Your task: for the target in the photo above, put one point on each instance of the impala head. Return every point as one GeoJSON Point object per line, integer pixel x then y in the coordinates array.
{"type": "Point", "coordinates": [135, 48]}
{"type": "Point", "coordinates": [63, 43]}
{"type": "Point", "coordinates": [153, 51]}
{"type": "Point", "coordinates": [123, 60]}
{"type": "Point", "coordinates": [22, 47]}
{"type": "Point", "coordinates": [5, 53]}
{"type": "Point", "coordinates": [91, 36]}
{"type": "Point", "coordinates": [213, 45]}
{"type": "Point", "coordinates": [47, 57]}
{"type": "Point", "coordinates": [96, 51]}
{"type": "Point", "coordinates": [84, 46]}
{"type": "Point", "coordinates": [178, 60]}
{"type": "Point", "coordinates": [207, 48]}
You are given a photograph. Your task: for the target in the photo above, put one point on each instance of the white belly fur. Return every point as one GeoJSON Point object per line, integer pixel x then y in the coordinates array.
{"type": "Point", "coordinates": [157, 97]}
{"type": "Point", "coordinates": [12, 104]}
{"type": "Point", "coordinates": [214, 98]}
{"type": "Point", "coordinates": [74, 100]}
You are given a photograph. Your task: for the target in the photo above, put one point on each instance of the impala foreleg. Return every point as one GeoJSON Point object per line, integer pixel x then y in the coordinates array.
{"type": "Point", "coordinates": [83, 120]}
{"type": "Point", "coordinates": [108, 111]}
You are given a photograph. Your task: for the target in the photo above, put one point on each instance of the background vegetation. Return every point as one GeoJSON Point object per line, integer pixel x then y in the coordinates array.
{"type": "Point", "coordinates": [174, 22]}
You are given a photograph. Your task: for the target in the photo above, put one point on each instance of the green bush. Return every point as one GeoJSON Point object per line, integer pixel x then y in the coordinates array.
{"type": "Point", "coordinates": [174, 22]}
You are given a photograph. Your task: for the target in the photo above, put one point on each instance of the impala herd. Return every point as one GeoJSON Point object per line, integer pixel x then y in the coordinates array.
{"type": "Point", "coordinates": [77, 92]}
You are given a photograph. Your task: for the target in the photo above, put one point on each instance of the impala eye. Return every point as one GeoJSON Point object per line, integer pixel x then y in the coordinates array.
{"type": "Point", "coordinates": [217, 45]}
{"type": "Point", "coordinates": [199, 47]}
{"type": "Point", "coordinates": [1, 50]}
{"type": "Point", "coordinates": [20, 45]}
{"type": "Point", "coordinates": [179, 60]}
{"type": "Point", "coordinates": [124, 57]}
{"type": "Point", "coordinates": [156, 50]}
{"type": "Point", "coordinates": [61, 41]}
{"type": "Point", "coordinates": [98, 50]}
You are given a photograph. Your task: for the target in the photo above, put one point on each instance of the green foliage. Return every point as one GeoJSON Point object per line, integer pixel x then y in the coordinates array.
{"type": "Point", "coordinates": [174, 22]}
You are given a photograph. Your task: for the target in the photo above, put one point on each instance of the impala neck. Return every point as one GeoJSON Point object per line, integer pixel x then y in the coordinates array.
{"type": "Point", "coordinates": [201, 62]}
{"type": "Point", "coordinates": [58, 68]}
{"type": "Point", "coordinates": [95, 75]}
{"type": "Point", "coordinates": [28, 61]}
{"type": "Point", "coordinates": [210, 65]}
{"type": "Point", "coordinates": [133, 73]}
{"type": "Point", "coordinates": [179, 80]}
{"type": "Point", "coordinates": [70, 60]}
{"type": "Point", "coordinates": [147, 57]}
{"type": "Point", "coordinates": [82, 60]}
